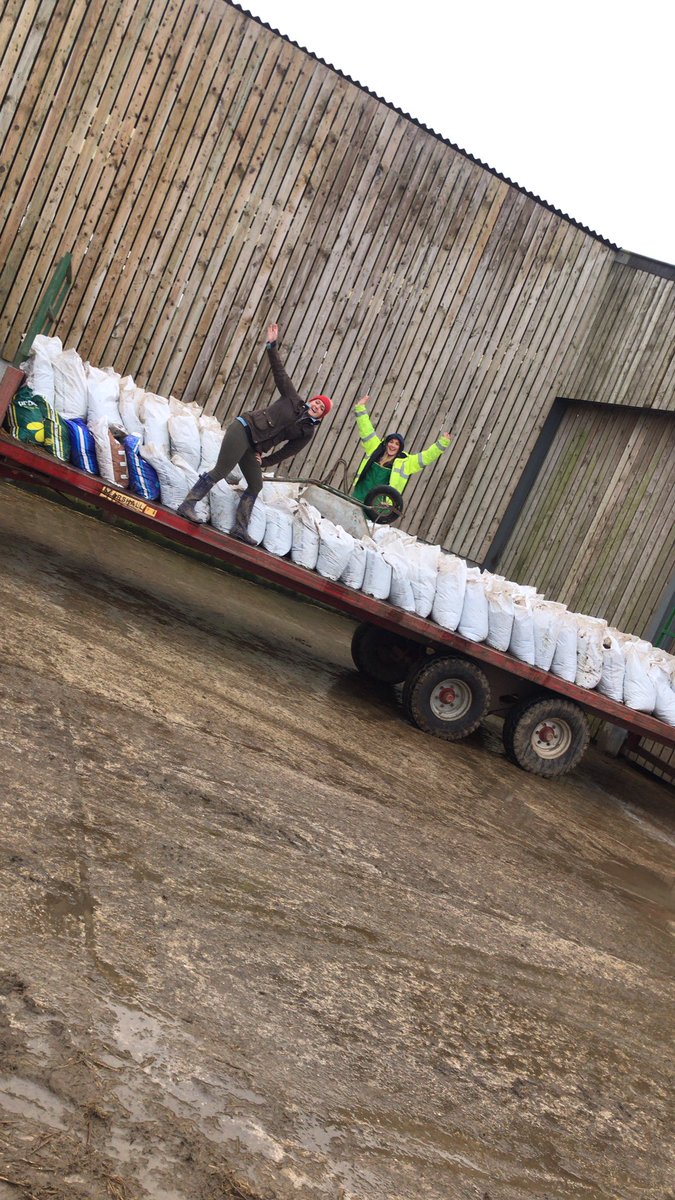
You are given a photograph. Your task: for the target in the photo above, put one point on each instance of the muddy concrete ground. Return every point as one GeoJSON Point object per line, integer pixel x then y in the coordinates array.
{"type": "Point", "coordinates": [261, 938]}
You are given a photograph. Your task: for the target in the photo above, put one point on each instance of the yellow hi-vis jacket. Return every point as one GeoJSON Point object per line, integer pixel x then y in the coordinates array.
{"type": "Point", "coordinates": [404, 466]}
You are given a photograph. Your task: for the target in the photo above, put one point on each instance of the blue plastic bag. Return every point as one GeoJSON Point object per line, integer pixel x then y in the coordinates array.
{"type": "Point", "coordinates": [82, 446]}
{"type": "Point", "coordinates": [143, 479]}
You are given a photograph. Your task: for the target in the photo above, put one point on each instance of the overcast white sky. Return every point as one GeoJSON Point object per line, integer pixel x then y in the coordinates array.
{"type": "Point", "coordinates": [573, 101]}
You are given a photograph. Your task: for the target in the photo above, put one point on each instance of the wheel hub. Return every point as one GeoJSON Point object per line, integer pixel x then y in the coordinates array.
{"type": "Point", "coordinates": [551, 738]}
{"type": "Point", "coordinates": [451, 699]}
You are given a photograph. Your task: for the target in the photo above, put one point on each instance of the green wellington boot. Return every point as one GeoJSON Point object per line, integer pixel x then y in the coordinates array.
{"type": "Point", "coordinates": [241, 520]}
{"type": "Point", "coordinates": [197, 492]}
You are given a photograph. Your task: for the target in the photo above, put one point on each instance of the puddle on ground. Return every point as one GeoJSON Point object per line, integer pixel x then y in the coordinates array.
{"type": "Point", "coordinates": [387, 1134]}
{"type": "Point", "coordinates": [70, 912]}
{"type": "Point", "coordinates": [151, 1043]}
{"type": "Point", "coordinates": [649, 892]}
{"type": "Point", "coordinates": [253, 1137]}
{"type": "Point", "coordinates": [32, 1101]}
{"type": "Point", "coordinates": [149, 1173]}
{"type": "Point", "coordinates": [68, 909]}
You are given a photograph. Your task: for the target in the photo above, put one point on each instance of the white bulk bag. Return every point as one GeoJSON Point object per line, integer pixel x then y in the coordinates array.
{"type": "Point", "coordinates": [184, 437]}
{"type": "Point", "coordinates": [664, 707]}
{"type": "Point", "coordinates": [103, 393]}
{"type": "Point", "coordinates": [521, 645]}
{"type": "Point", "coordinates": [258, 521]}
{"type": "Point", "coordinates": [564, 663]}
{"type": "Point", "coordinates": [278, 537]}
{"type": "Point", "coordinates": [473, 623]}
{"type": "Point", "coordinates": [613, 667]}
{"type": "Point", "coordinates": [305, 548]}
{"type": "Point", "coordinates": [281, 491]}
{"type": "Point", "coordinates": [500, 615]}
{"type": "Point", "coordinates": [450, 587]}
{"type": "Point", "coordinates": [223, 502]}
{"type": "Point", "coordinates": [666, 661]}
{"type": "Point", "coordinates": [639, 688]}
{"type": "Point", "coordinates": [154, 413]}
{"type": "Point", "coordinates": [384, 536]}
{"type": "Point", "coordinates": [129, 401]}
{"type": "Point", "coordinates": [590, 634]}
{"type": "Point", "coordinates": [70, 387]}
{"type": "Point", "coordinates": [547, 618]}
{"type": "Point", "coordinates": [203, 508]}
{"type": "Point", "coordinates": [424, 562]}
{"type": "Point", "coordinates": [377, 575]}
{"type": "Point", "coordinates": [400, 589]}
{"type": "Point", "coordinates": [335, 547]}
{"type": "Point", "coordinates": [353, 574]}
{"type": "Point", "coordinates": [110, 452]}
{"type": "Point", "coordinates": [173, 483]}
{"type": "Point", "coordinates": [211, 436]}
{"type": "Point", "coordinates": [40, 366]}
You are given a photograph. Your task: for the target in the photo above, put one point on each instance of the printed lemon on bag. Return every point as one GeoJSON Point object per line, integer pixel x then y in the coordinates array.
{"type": "Point", "coordinates": [26, 417]}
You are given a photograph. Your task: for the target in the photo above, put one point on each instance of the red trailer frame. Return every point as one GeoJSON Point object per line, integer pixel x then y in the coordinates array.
{"type": "Point", "coordinates": [28, 464]}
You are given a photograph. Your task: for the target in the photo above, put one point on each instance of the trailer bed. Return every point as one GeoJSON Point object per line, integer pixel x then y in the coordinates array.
{"type": "Point", "coordinates": [28, 464]}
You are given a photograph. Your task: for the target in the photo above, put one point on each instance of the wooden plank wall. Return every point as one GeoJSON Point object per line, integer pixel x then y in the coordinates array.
{"type": "Point", "coordinates": [653, 757]}
{"type": "Point", "coordinates": [597, 530]}
{"type": "Point", "coordinates": [627, 355]}
{"type": "Point", "coordinates": [208, 176]}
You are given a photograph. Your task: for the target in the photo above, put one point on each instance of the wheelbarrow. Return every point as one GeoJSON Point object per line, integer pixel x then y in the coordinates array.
{"type": "Point", "coordinates": [383, 505]}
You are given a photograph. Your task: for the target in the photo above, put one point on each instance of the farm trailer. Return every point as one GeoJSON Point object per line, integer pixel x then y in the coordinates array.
{"type": "Point", "coordinates": [450, 684]}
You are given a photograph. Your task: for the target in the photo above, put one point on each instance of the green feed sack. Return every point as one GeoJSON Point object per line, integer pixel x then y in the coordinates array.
{"type": "Point", "coordinates": [33, 420]}
{"type": "Point", "coordinates": [57, 436]}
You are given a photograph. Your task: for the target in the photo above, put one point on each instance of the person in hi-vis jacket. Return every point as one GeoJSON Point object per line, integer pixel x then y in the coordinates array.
{"type": "Point", "coordinates": [385, 460]}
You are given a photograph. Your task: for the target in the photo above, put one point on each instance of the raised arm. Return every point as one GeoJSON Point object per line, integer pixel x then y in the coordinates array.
{"type": "Point", "coordinates": [369, 439]}
{"type": "Point", "coordinates": [417, 462]}
{"type": "Point", "coordinates": [280, 377]}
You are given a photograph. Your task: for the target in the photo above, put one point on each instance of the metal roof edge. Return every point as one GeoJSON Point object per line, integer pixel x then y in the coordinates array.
{"type": "Point", "coordinates": [641, 262]}
{"type": "Point", "coordinates": [426, 129]}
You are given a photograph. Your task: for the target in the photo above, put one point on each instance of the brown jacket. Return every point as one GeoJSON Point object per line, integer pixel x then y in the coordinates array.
{"type": "Point", "coordinates": [285, 420]}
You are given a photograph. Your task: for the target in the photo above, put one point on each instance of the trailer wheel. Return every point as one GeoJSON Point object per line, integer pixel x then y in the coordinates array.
{"type": "Point", "coordinates": [547, 737]}
{"type": "Point", "coordinates": [383, 656]}
{"type": "Point", "coordinates": [447, 697]}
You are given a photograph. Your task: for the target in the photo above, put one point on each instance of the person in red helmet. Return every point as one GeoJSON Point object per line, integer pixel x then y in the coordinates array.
{"type": "Point", "coordinates": [261, 438]}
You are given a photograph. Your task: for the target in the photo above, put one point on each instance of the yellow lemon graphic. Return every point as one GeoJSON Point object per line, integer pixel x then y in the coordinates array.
{"type": "Point", "coordinates": [37, 429]}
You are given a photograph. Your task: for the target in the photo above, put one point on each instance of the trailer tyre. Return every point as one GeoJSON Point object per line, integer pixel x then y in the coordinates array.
{"type": "Point", "coordinates": [383, 505]}
{"type": "Point", "coordinates": [546, 737]}
{"type": "Point", "coordinates": [383, 656]}
{"type": "Point", "coordinates": [447, 697]}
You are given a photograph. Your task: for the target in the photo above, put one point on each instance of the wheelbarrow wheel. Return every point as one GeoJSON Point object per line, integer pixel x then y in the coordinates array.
{"type": "Point", "coordinates": [383, 505]}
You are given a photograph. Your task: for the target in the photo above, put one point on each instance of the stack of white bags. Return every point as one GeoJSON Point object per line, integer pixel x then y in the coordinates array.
{"type": "Point", "coordinates": [180, 443]}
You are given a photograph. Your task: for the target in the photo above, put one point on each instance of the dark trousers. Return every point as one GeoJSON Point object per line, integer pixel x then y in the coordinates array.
{"type": "Point", "coordinates": [236, 450]}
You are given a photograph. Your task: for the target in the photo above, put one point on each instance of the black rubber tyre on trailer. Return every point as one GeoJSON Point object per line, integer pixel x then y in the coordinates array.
{"type": "Point", "coordinates": [383, 505]}
{"type": "Point", "coordinates": [384, 656]}
{"type": "Point", "coordinates": [546, 736]}
{"type": "Point", "coordinates": [447, 697]}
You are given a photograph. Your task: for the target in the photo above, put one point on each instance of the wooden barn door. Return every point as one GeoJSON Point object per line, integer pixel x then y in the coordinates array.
{"type": "Point", "coordinates": [596, 530]}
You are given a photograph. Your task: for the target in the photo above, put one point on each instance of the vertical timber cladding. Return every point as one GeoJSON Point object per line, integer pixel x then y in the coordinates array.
{"type": "Point", "coordinates": [209, 176]}
{"type": "Point", "coordinates": [597, 530]}
{"type": "Point", "coordinates": [627, 355]}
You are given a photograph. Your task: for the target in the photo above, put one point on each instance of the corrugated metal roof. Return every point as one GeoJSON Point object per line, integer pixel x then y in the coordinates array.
{"type": "Point", "coordinates": [426, 129]}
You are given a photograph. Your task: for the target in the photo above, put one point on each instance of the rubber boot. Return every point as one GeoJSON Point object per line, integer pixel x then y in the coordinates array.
{"type": "Point", "coordinates": [242, 518]}
{"type": "Point", "coordinates": [197, 492]}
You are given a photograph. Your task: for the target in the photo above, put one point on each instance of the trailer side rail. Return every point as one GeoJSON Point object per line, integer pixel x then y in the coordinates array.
{"type": "Point", "coordinates": [30, 464]}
